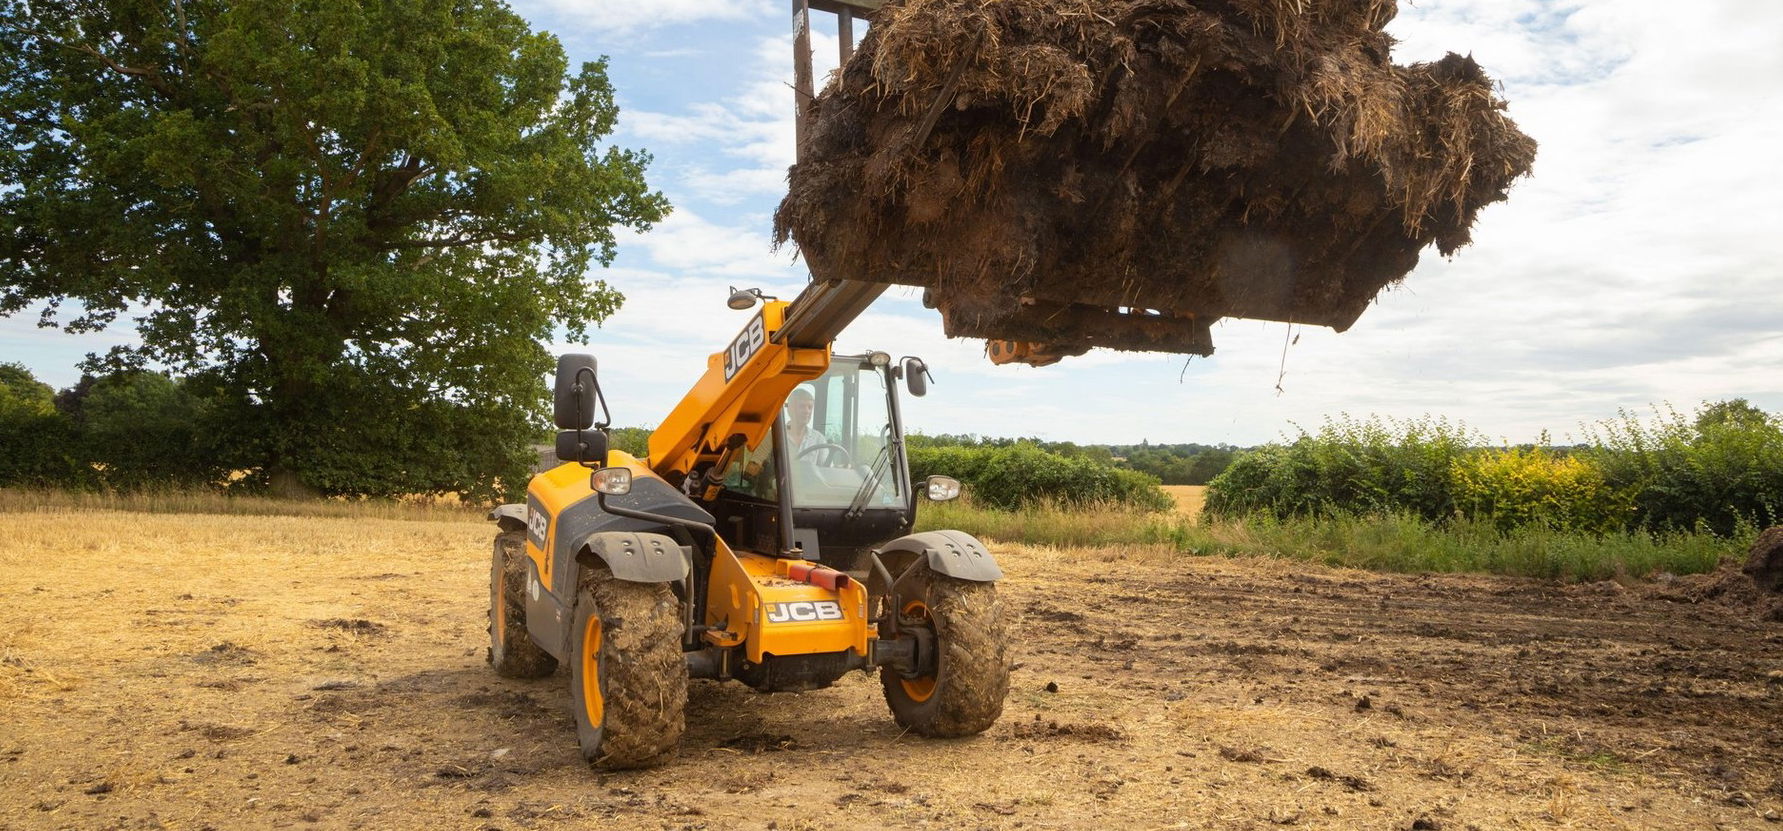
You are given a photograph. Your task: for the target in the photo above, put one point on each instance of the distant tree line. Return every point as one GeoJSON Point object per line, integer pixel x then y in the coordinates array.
{"type": "Point", "coordinates": [1012, 474]}
{"type": "Point", "coordinates": [1171, 464]}
{"type": "Point", "coordinates": [137, 429]}
{"type": "Point", "coordinates": [633, 440]}
{"type": "Point", "coordinates": [125, 431]}
{"type": "Point", "coordinates": [1176, 464]}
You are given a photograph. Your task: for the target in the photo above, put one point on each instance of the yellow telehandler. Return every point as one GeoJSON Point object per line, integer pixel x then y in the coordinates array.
{"type": "Point", "coordinates": [765, 537]}
{"type": "Point", "coordinates": [755, 542]}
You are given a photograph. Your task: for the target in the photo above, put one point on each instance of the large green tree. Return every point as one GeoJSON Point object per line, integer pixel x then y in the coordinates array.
{"type": "Point", "coordinates": [356, 219]}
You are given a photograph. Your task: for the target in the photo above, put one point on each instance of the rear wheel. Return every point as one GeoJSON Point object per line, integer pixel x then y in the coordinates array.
{"type": "Point", "coordinates": [964, 693]}
{"type": "Point", "coordinates": [511, 651]}
{"type": "Point", "coordinates": [628, 680]}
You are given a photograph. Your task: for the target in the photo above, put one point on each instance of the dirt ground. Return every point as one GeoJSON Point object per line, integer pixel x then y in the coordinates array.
{"type": "Point", "coordinates": [165, 671]}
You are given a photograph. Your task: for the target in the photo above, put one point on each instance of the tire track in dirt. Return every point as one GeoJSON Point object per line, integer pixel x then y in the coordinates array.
{"type": "Point", "coordinates": [1685, 689]}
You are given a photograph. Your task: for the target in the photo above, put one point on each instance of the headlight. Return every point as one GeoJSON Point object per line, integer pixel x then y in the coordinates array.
{"type": "Point", "coordinates": [943, 488]}
{"type": "Point", "coordinates": [612, 481]}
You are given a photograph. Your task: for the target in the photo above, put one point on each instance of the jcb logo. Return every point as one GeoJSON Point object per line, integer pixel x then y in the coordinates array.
{"type": "Point", "coordinates": [537, 523]}
{"type": "Point", "coordinates": [804, 611]}
{"type": "Point", "coordinates": [748, 342]}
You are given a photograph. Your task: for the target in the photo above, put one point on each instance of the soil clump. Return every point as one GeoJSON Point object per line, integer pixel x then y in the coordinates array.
{"type": "Point", "coordinates": [1755, 587]}
{"type": "Point", "coordinates": [1122, 174]}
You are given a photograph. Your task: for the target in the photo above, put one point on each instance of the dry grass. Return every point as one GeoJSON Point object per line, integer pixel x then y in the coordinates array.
{"type": "Point", "coordinates": [427, 508]}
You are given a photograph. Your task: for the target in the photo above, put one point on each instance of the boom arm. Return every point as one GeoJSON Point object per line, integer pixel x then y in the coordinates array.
{"type": "Point", "coordinates": [823, 310]}
{"type": "Point", "coordinates": [784, 345]}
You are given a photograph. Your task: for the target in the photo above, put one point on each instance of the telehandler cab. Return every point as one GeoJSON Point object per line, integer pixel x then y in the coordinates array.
{"type": "Point", "coordinates": [756, 542]}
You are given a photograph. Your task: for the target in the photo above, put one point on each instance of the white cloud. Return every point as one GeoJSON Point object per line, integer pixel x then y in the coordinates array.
{"type": "Point", "coordinates": [1598, 285]}
{"type": "Point", "coordinates": [52, 354]}
{"type": "Point", "coordinates": [731, 187]}
{"type": "Point", "coordinates": [687, 243]}
{"type": "Point", "coordinates": [745, 139]}
{"type": "Point", "coordinates": [1639, 265]}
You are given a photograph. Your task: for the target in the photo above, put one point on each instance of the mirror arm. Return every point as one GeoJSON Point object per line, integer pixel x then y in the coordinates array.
{"type": "Point", "coordinates": [600, 399]}
{"type": "Point", "coordinates": [662, 519]}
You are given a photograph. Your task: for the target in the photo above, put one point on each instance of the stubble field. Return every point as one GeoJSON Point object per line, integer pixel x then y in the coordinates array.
{"type": "Point", "coordinates": [1189, 498]}
{"type": "Point", "coordinates": [191, 671]}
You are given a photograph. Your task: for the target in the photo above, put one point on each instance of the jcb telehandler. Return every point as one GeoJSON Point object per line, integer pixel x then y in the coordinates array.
{"type": "Point", "coordinates": [761, 539]}
{"type": "Point", "coordinates": [751, 544]}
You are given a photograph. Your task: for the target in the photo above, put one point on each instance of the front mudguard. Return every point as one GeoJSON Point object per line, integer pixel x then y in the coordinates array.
{"type": "Point", "coordinates": [953, 553]}
{"type": "Point", "coordinates": [632, 556]}
{"type": "Point", "coordinates": [636, 556]}
{"type": "Point", "coordinates": [509, 517]}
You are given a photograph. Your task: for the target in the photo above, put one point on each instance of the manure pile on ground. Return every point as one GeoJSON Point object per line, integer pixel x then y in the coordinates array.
{"type": "Point", "coordinates": [1122, 174]}
{"type": "Point", "coordinates": [1756, 586]}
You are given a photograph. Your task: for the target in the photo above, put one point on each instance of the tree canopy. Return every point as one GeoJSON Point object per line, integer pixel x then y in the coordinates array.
{"type": "Point", "coordinates": [1732, 413]}
{"type": "Point", "coordinates": [354, 220]}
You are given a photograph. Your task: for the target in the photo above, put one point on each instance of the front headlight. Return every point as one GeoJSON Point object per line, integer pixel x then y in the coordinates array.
{"type": "Point", "coordinates": [612, 481]}
{"type": "Point", "coordinates": [943, 488]}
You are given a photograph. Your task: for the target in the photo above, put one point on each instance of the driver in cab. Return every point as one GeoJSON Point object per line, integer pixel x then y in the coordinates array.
{"type": "Point", "coordinates": [800, 438]}
{"type": "Point", "coordinates": [799, 435]}
{"type": "Point", "coordinates": [754, 473]}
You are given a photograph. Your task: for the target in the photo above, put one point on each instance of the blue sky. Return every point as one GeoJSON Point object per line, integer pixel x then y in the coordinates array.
{"type": "Point", "coordinates": [1641, 265]}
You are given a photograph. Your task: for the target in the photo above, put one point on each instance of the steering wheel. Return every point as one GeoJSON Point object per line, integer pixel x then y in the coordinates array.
{"type": "Point", "coordinates": [847, 458]}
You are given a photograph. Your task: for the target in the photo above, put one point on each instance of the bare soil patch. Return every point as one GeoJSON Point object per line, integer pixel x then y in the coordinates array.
{"type": "Point", "coordinates": [170, 671]}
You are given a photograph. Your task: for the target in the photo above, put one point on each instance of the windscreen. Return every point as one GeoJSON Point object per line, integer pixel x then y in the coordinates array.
{"type": "Point", "coordinates": [838, 432]}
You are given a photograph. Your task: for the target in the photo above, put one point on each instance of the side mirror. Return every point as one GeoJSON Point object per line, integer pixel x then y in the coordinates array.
{"type": "Point", "coordinates": [942, 488]}
{"type": "Point", "coordinates": [573, 408]}
{"type": "Point", "coordinates": [916, 376]}
{"type": "Point", "coordinates": [587, 447]}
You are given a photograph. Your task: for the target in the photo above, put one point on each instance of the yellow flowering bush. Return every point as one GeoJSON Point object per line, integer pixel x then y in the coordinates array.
{"type": "Point", "coordinates": [1518, 487]}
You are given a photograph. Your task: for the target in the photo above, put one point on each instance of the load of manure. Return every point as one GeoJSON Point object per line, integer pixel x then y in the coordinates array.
{"type": "Point", "coordinates": [1123, 173]}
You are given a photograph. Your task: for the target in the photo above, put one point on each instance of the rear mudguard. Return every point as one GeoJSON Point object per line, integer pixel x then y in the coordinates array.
{"type": "Point", "coordinates": [510, 517]}
{"type": "Point", "coordinates": [953, 553]}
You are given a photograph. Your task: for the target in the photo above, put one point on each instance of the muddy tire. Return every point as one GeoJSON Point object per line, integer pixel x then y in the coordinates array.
{"type": "Point", "coordinates": [511, 651]}
{"type": "Point", "coordinates": [628, 680]}
{"type": "Point", "coordinates": [965, 695]}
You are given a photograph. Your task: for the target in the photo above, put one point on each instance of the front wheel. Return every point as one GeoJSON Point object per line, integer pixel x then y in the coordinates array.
{"type": "Point", "coordinates": [964, 692]}
{"type": "Point", "coordinates": [628, 680]}
{"type": "Point", "coordinates": [511, 650]}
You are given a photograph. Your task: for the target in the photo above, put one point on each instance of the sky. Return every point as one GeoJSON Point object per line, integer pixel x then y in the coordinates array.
{"type": "Point", "coordinates": [1641, 265]}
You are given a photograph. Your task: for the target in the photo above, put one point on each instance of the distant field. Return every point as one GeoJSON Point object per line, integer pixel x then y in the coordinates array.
{"type": "Point", "coordinates": [1189, 498]}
